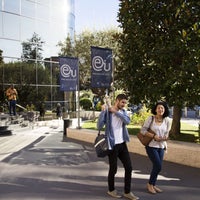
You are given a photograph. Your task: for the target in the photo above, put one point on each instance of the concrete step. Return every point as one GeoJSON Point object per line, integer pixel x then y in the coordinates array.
{"type": "Point", "coordinates": [5, 132]}
{"type": "Point", "coordinates": [3, 128]}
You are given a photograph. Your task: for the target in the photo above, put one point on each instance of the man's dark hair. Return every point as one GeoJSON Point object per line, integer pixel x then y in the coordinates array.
{"type": "Point", "coordinates": [121, 96]}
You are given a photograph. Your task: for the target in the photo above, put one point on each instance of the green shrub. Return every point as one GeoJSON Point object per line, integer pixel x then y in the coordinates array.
{"type": "Point", "coordinates": [140, 117]}
{"type": "Point", "coordinates": [98, 106]}
{"type": "Point", "coordinates": [86, 103]}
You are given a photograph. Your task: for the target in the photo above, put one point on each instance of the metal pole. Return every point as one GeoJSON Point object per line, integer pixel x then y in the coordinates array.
{"type": "Point", "coordinates": [78, 102]}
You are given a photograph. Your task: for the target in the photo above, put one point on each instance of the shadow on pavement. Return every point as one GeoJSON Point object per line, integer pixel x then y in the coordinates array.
{"type": "Point", "coordinates": [55, 168]}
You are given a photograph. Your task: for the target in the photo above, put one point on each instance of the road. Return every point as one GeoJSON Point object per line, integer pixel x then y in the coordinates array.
{"type": "Point", "coordinates": [50, 166]}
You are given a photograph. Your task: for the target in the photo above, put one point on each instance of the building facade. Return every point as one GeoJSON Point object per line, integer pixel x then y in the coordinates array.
{"type": "Point", "coordinates": [51, 20]}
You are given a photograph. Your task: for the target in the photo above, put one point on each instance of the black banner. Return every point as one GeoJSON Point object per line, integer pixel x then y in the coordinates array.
{"type": "Point", "coordinates": [69, 76]}
{"type": "Point", "coordinates": [101, 63]}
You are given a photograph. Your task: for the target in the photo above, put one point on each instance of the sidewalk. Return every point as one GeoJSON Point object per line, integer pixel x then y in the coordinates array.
{"type": "Point", "coordinates": [54, 167]}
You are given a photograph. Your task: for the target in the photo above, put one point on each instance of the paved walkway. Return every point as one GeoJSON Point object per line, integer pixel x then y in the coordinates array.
{"type": "Point", "coordinates": [54, 167]}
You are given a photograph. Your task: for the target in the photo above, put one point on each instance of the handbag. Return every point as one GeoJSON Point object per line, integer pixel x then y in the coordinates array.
{"type": "Point", "coordinates": [101, 145]}
{"type": "Point", "coordinates": [145, 140]}
{"type": "Point", "coordinates": [101, 142]}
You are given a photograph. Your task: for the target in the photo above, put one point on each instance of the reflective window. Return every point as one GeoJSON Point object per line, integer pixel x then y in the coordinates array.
{"type": "Point", "coordinates": [59, 31]}
{"type": "Point", "coordinates": [42, 12]}
{"type": "Point", "coordinates": [43, 30]}
{"type": "Point", "coordinates": [72, 4]}
{"type": "Point", "coordinates": [1, 26]}
{"type": "Point", "coordinates": [58, 11]}
{"type": "Point", "coordinates": [48, 18]}
{"type": "Point", "coordinates": [71, 21]}
{"type": "Point", "coordinates": [11, 48]}
{"type": "Point", "coordinates": [28, 27]}
{"type": "Point", "coordinates": [11, 26]}
{"type": "Point", "coordinates": [12, 6]}
{"type": "Point", "coordinates": [45, 2]}
{"type": "Point", "coordinates": [28, 8]}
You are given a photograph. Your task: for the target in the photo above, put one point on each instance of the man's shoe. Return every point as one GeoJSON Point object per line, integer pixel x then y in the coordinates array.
{"type": "Point", "coordinates": [114, 194]}
{"type": "Point", "coordinates": [157, 189]}
{"type": "Point", "coordinates": [131, 196]}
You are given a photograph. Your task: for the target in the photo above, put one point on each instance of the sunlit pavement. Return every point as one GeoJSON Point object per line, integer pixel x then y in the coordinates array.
{"type": "Point", "coordinates": [50, 166]}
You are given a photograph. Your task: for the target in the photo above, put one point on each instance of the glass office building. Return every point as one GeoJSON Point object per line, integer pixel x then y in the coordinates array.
{"type": "Point", "coordinates": [52, 20]}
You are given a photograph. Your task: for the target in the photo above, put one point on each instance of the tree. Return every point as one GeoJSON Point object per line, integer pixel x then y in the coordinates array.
{"type": "Point", "coordinates": [23, 75]}
{"type": "Point", "coordinates": [1, 57]}
{"type": "Point", "coordinates": [32, 48]}
{"type": "Point", "coordinates": [159, 50]}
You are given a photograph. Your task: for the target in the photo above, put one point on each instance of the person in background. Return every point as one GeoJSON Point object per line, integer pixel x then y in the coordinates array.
{"type": "Point", "coordinates": [42, 110]}
{"type": "Point", "coordinates": [155, 150]}
{"type": "Point", "coordinates": [59, 111]}
{"type": "Point", "coordinates": [11, 94]}
{"type": "Point", "coordinates": [116, 118]}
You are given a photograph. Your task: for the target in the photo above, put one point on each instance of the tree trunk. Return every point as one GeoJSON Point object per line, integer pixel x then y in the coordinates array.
{"type": "Point", "coordinates": [176, 125]}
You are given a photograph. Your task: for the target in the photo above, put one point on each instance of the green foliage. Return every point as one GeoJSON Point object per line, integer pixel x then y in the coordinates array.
{"type": "Point", "coordinates": [23, 75]}
{"type": "Point", "coordinates": [159, 50]}
{"type": "Point", "coordinates": [1, 56]}
{"type": "Point", "coordinates": [30, 107]}
{"type": "Point", "coordinates": [86, 103]}
{"type": "Point", "coordinates": [140, 117]}
{"type": "Point", "coordinates": [86, 94]}
{"type": "Point", "coordinates": [98, 106]}
{"type": "Point", "coordinates": [32, 48]}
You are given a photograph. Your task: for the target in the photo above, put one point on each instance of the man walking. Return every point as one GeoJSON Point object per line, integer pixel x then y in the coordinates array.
{"type": "Point", "coordinates": [116, 118]}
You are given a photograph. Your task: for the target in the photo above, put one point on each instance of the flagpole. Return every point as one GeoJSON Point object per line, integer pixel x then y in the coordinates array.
{"type": "Point", "coordinates": [113, 75]}
{"type": "Point", "coordinates": [78, 102]}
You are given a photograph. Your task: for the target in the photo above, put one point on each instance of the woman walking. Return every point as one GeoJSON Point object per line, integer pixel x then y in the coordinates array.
{"type": "Point", "coordinates": [159, 133]}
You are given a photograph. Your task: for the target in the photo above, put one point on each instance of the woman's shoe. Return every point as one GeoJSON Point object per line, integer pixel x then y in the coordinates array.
{"type": "Point", "coordinates": [157, 189]}
{"type": "Point", "coordinates": [151, 189]}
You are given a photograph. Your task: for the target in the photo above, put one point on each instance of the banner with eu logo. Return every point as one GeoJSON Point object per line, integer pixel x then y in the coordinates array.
{"type": "Point", "coordinates": [69, 75]}
{"type": "Point", "coordinates": [101, 63]}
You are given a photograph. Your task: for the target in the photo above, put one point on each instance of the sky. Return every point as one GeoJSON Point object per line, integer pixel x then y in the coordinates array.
{"type": "Point", "coordinates": [95, 14]}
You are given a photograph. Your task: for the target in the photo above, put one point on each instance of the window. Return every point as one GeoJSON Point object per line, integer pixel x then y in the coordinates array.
{"type": "Point", "coordinates": [43, 30]}
{"type": "Point", "coordinates": [12, 6]}
{"type": "Point", "coordinates": [11, 48]}
{"type": "Point", "coordinates": [27, 28]}
{"type": "Point", "coordinates": [0, 4]}
{"type": "Point", "coordinates": [42, 12]}
{"type": "Point", "coordinates": [45, 2]}
{"type": "Point", "coordinates": [1, 25]}
{"type": "Point", "coordinates": [28, 9]}
{"type": "Point", "coordinates": [11, 24]}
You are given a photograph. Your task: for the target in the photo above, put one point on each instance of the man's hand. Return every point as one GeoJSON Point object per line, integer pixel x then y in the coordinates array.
{"type": "Point", "coordinates": [112, 109]}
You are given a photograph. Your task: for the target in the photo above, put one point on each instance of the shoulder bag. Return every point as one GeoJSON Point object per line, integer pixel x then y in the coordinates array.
{"type": "Point", "coordinates": [101, 143]}
{"type": "Point", "coordinates": [145, 140]}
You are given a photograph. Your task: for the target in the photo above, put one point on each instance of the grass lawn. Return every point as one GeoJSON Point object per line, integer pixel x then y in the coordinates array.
{"type": "Point", "coordinates": [189, 133]}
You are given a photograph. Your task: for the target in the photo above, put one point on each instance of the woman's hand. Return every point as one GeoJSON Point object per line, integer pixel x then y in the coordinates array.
{"type": "Point", "coordinates": [159, 139]}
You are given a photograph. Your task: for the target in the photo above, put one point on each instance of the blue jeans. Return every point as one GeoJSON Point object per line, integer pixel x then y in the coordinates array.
{"type": "Point", "coordinates": [119, 151]}
{"type": "Point", "coordinates": [12, 107]}
{"type": "Point", "coordinates": [156, 156]}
